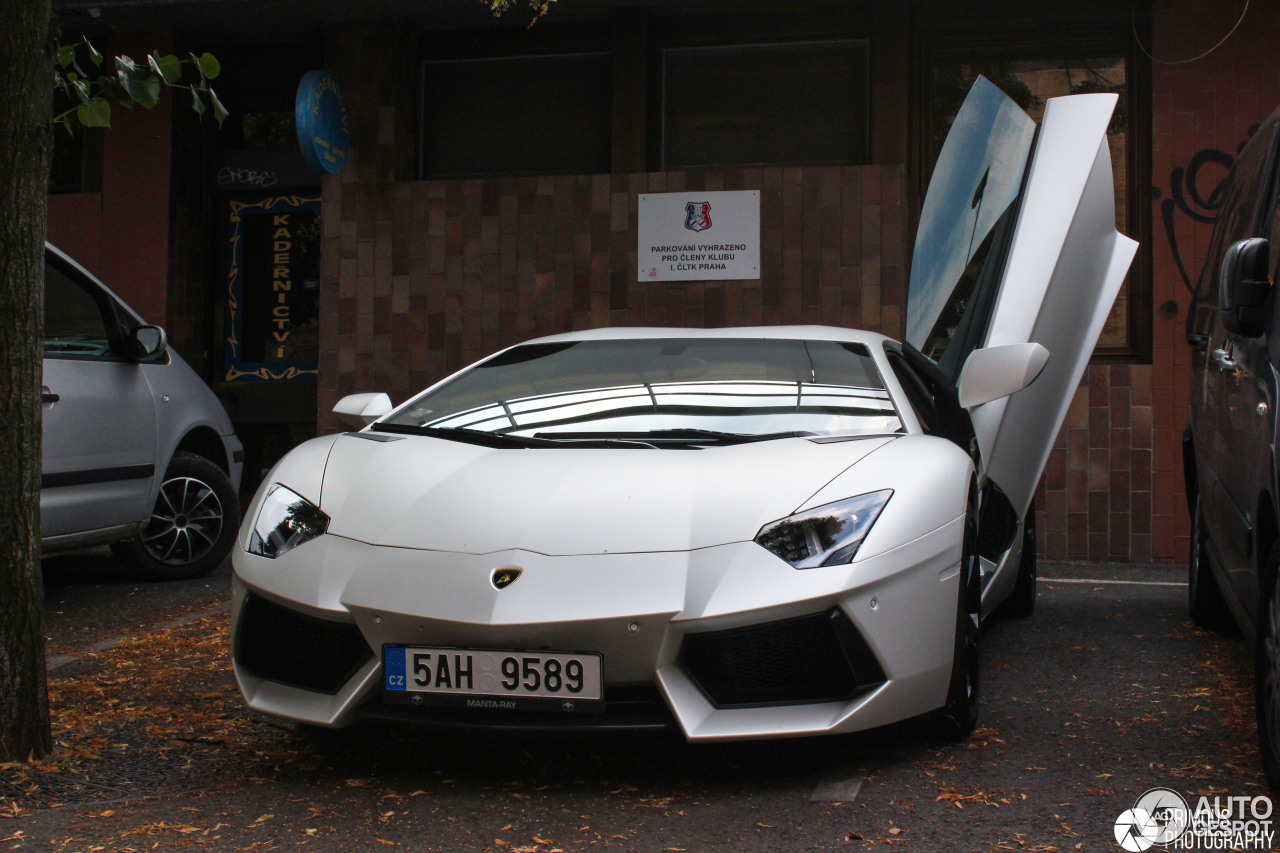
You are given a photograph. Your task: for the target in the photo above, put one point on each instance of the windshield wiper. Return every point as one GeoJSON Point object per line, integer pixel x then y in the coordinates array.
{"type": "Point", "coordinates": [504, 440]}
{"type": "Point", "coordinates": [683, 436]}
{"type": "Point", "coordinates": [469, 436]}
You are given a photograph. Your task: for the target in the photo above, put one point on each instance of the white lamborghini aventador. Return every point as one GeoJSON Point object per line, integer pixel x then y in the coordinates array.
{"type": "Point", "coordinates": [745, 533]}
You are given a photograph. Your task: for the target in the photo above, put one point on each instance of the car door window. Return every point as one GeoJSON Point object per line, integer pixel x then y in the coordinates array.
{"type": "Point", "coordinates": [932, 397]}
{"type": "Point", "coordinates": [76, 325]}
{"type": "Point", "coordinates": [1243, 193]}
{"type": "Point", "coordinates": [965, 227]}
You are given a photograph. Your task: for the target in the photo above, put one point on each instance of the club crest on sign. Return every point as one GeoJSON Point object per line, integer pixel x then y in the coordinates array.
{"type": "Point", "coordinates": [697, 215]}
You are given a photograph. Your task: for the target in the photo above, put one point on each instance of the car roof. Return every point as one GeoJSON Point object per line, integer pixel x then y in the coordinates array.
{"type": "Point", "coordinates": [800, 333]}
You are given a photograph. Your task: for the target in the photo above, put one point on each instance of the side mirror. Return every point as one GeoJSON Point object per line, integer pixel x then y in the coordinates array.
{"type": "Point", "coordinates": [1244, 287]}
{"type": "Point", "coordinates": [360, 410]}
{"type": "Point", "coordinates": [148, 343]}
{"type": "Point", "coordinates": [996, 372]}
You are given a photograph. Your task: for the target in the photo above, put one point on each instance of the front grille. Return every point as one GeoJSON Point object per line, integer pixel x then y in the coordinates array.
{"type": "Point", "coordinates": [279, 644]}
{"type": "Point", "coordinates": [815, 658]}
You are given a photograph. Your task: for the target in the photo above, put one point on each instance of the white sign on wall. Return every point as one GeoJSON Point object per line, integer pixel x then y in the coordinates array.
{"type": "Point", "coordinates": [698, 236]}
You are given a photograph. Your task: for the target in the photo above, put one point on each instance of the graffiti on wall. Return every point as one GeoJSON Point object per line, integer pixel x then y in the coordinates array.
{"type": "Point", "coordinates": [1195, 191]}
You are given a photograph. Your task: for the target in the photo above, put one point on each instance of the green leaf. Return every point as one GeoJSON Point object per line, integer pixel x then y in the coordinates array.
{"type": "Point", "coordinates": [196, 103]}
{"type": "Point", "coordinates": [111, 86]}
{"type": "Point", "coordinates": [150, 92]}
{"type": "Point", "coordinates": [219, 111]}
{"type": "Point", "coordinates": [209, 66]}
{"type": "Point", "coordinates": [169, 67]}
{"type": "Point", "coordinates": [66, 55]}
{"type": "Point", "coordinates": [126, 65]}
{"type": "Point", "coordinates": [96, 113]}
{"type": "Point", "coordinates": [82, 90]}
{"type": "Point", "coordinates": [93, 54]}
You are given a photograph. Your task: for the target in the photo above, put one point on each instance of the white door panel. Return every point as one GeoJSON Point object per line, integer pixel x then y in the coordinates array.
{"type": "Point", "coordinates": [1046, 272]}
{"type": "Point", "coordinates": [1065, 268]}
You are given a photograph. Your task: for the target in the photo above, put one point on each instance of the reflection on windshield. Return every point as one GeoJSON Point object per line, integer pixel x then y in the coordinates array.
{"type": "Point", "coordinates": [964, 225]}
{"type": "Point", "coordinates": [664, 388]}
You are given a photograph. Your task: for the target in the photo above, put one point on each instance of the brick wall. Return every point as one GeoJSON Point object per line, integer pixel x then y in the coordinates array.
{"type": "Point", "coordinates": [432, 275]}
{"type": "Point", "coordinates": [121, 233]}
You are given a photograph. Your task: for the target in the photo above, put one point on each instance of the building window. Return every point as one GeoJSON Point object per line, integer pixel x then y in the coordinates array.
{"type": "Point", "coordinates": [516, 115]}
{"type": "Point", "coordinates": [765, 104]}
{"type": "Point", "coordinates": [1030, 71]}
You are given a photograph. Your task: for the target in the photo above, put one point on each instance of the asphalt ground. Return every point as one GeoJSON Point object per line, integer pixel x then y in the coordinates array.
{"type": "Point", "coordinates": [1106, 692]}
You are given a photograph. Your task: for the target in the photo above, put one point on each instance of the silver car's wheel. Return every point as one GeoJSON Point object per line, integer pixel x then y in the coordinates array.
{"type": "Point", "coordinates": [192, 525]}
{"type": "Point", "coordinates": [186, 522]}
{"type": "Point", "coordinates": [1267, 670]}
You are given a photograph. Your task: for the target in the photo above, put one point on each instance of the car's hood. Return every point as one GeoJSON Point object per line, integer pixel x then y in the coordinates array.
{"type": "Point", "coordinates": [417, 492]}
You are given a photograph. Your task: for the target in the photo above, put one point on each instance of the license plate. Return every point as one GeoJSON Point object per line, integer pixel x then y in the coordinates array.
{"type": "Point", "coordinates": [483, 678]}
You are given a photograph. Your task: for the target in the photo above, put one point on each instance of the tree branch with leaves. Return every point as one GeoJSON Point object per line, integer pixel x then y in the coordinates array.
{"type": "Point", "coordinates": [132, 83]}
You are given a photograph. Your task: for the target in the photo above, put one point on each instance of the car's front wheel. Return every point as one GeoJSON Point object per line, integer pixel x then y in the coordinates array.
{"type": "Point", "coordinates": [193, 524]}
{"type": "Point", "coordinates": [957, 718]}
{"type": "Point", "coordinates": [1267, 669]}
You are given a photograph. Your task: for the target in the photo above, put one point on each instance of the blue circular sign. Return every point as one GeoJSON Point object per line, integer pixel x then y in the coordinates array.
{"type": "Point", "coordinates": [324, 130]}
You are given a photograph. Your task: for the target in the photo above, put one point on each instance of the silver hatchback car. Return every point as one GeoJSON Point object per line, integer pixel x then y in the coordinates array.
{"type": "Point", "coordinates": [138, 452]}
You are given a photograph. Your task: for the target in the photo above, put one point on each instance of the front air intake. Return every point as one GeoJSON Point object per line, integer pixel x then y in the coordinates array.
{"type": "Point", "coordinates": [279, 644]}
{"type": "Point", "coordinates": [815, 658]}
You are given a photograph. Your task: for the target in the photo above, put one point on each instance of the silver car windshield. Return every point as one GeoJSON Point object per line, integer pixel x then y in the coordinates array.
{"type": "Point", "coordinates": [695, 390]}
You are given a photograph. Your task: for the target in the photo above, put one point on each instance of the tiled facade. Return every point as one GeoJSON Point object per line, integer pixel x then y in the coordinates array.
{"type": "Point", "coordinates": [445, 272]}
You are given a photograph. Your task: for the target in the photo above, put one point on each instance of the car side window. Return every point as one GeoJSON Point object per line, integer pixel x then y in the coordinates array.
{"type": "Point", "coordinates": [1244, 193]}
{"type": "Point", "coordinates": [75, 323]}
{"type": "Point", "coordinates": [918, 396]}
{"type": "Point", "coordinates": [932, 397]}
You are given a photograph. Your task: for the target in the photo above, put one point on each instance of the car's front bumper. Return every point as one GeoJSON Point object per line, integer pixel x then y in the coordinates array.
{"type": "Point", "coordinates": [634, 609]}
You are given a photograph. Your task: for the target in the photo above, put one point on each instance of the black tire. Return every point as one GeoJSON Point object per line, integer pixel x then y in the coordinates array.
{"type": "Point", "coordinates": [957, 719]}
{"type": "Point", "coordinates": [1205, 602]}
{"type": "Point", "coordinates": [1266, 671]}
{"type": "Point", "coordinates": [193, 524]}
{"type": "Point", "coordinates": [1021, 603]}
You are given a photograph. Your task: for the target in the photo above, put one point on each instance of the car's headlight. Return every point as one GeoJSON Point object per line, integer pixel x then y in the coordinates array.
{"type": "Point", "coordinates": [285, 521]}
{"type": "Point", "coordinates": [828, 535]}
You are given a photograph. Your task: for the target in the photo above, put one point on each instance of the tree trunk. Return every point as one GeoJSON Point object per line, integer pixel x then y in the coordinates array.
{"type": "Point", "coordinates": [26, 90]}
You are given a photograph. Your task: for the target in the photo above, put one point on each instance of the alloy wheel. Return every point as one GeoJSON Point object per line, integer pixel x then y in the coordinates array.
{"type": "Point", "coordinates": [185, 523]}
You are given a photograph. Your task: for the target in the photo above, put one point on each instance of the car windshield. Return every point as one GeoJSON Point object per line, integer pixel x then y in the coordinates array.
{"type": "Point", "coordinates": [660, 390]}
